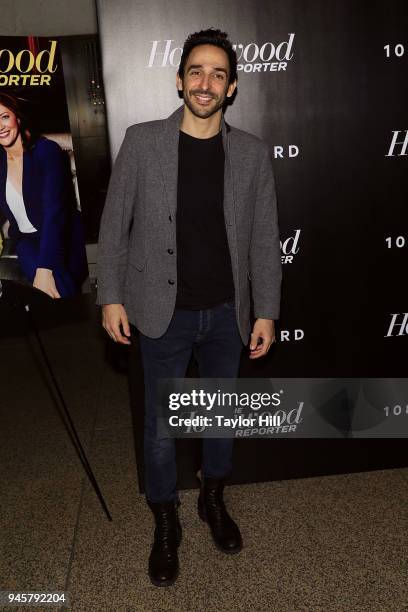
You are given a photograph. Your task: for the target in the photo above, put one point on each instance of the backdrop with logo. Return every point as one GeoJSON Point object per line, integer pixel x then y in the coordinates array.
{"type": "Point", "coordinates": [324, 84]}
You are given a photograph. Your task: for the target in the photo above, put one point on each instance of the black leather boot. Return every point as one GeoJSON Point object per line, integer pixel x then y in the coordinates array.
{"type": "Point", "coordinates": [212, 510]}
{"type": "Point", "coordinates": [163, 560]}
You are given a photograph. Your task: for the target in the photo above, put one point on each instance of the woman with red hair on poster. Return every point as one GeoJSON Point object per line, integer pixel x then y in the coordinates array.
{"type": "Point", "coordinates": [37, 199]}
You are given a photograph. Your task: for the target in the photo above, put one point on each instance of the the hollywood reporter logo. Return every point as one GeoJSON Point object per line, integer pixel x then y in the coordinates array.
{"type": "Point", "coordinates": [398, 325]}
{"type": "Point", "coordinates": [279, 152]}
{"type": "Point", "coordinates": [290, 247]}
{"type": "Point", "coordinates": [252, 57]}
{"type": "Point", "coordinates": [399, 144]}
{"type": "Point", "coordinates": [264, 58]}
{"type": "Point", "coordinates": [289, 335]}
{"type": "Point", "coordinates": [26, 68]}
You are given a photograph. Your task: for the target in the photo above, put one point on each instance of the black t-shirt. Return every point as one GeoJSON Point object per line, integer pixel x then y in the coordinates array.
{"type": "Point", "coordinates": [204, 270]}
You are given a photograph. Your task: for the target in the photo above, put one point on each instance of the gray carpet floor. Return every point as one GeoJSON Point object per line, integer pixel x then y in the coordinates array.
{"type": "Point", "coordinates": [322, 544]}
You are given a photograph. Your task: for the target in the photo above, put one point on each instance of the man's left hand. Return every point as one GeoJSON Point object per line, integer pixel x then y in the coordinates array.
{"type": "Point", "coordinates": [264, 329]}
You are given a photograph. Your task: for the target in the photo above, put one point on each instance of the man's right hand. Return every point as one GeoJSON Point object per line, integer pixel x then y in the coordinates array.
{"type": "Point", "coordinates": [114, 315]}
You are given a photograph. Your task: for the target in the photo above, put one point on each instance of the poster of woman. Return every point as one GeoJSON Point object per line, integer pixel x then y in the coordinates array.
{"type": "Point", "coordinates": [42, 236]}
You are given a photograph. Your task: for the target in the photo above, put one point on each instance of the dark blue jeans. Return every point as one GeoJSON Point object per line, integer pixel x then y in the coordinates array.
{"type": "Point", "coordinates": [212, 335]}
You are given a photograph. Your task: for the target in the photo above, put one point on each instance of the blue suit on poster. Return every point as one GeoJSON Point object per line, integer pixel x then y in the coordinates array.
{"type": "Point", "coordinates": [59, 242]}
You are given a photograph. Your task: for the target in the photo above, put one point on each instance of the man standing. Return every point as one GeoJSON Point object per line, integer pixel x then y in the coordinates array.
{"type": "Point", "coordinates": [190, 224]}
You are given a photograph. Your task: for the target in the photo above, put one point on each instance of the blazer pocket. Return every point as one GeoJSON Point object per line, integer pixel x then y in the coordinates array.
{"type": "Point", "coordinates": [137, 262]}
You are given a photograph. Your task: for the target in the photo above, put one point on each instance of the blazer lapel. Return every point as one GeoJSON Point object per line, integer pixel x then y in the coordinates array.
{"type": "Point", "coordinates": [229, 201]}
{"type": "Point", "coordinates": [167, 147]}
{"type": "Point", "coordinates": [228, 177]}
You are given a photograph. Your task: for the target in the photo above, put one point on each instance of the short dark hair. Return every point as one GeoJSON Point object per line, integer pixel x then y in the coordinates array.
{"type": "Point", "coordinates": [214, 37]}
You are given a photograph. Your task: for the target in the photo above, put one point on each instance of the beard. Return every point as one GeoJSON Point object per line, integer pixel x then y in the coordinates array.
{"type": "Point", "coordinates": [201, 111]}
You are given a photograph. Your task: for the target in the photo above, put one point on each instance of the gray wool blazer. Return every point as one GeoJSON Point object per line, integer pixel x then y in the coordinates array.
{"type": "Point", "coordinates": [137, 252]}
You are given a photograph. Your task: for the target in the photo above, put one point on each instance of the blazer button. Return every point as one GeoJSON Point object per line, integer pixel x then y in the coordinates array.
{"type": "Point", "coordinates": [170, 251]}
{"type": "Point", "coordinates": [171, 282]}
